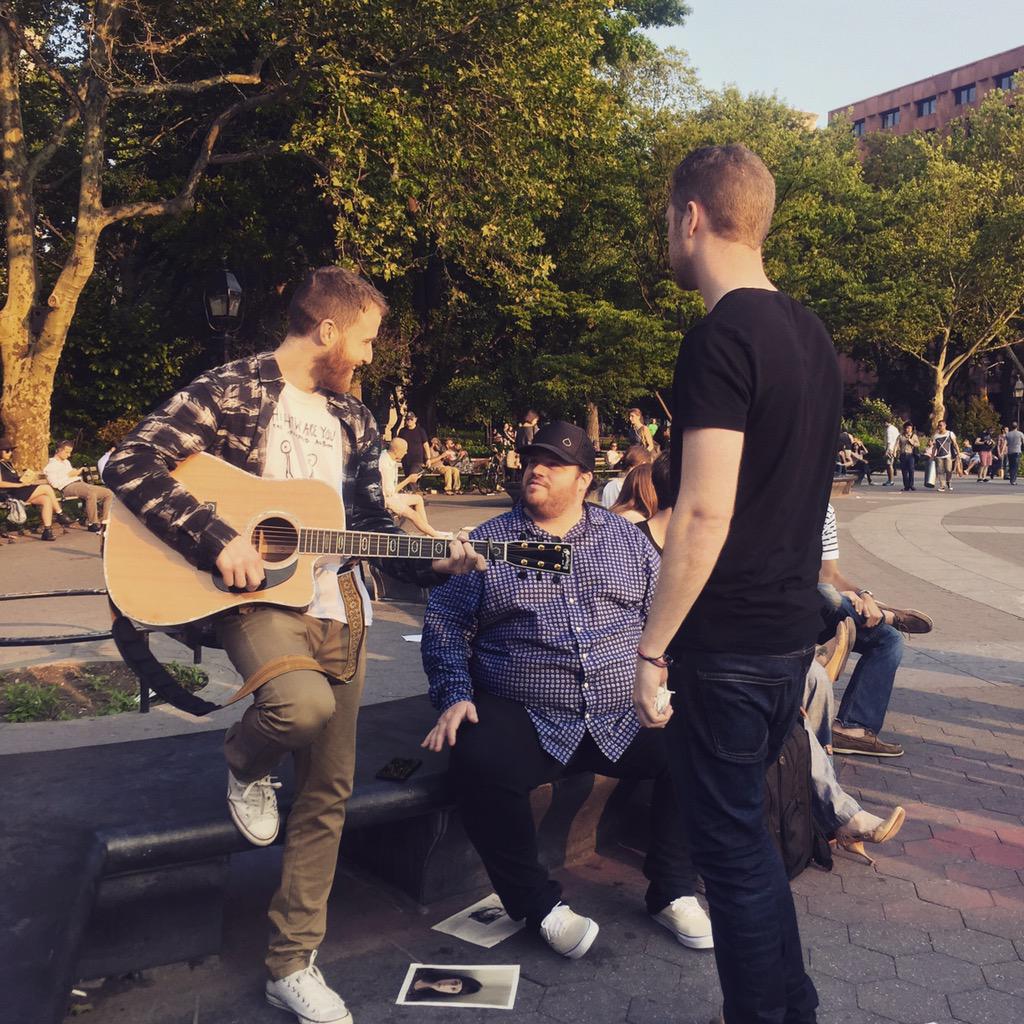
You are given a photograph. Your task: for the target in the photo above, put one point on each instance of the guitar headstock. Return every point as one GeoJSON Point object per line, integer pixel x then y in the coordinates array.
{"type": "Point", "coordinates": [540, 555]}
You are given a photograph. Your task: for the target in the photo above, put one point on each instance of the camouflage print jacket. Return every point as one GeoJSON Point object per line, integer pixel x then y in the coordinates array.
{"type": "Point", "coordinates": [226, 412]}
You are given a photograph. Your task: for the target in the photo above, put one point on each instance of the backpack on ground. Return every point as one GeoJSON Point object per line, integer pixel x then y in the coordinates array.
{"type": "Point", "coordinates": [787, 806]}
{"type": "Point", "coordinates": [17, 512]}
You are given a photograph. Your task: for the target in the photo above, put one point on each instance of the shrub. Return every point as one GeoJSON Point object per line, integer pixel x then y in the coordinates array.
{"type": "Point", "coordinates": [32, 702]}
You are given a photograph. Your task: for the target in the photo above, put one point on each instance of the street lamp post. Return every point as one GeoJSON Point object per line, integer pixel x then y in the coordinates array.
{"type": "Point", "coordinates": [222, 302]}
{"type": "Point", "coordinates": [1018, 394]}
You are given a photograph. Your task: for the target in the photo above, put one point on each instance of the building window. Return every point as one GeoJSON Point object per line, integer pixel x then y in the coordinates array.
{"type": "Point", "coordinates": [890, 118]}
{"type": "Point", "coordinates": [926, 107]}
{"type": "Point", "coordinates": [965, 94]}
{"type": "Point", "coordinates": [858, 128]}
{"type": "Point", "coordinates": [1004, 81]}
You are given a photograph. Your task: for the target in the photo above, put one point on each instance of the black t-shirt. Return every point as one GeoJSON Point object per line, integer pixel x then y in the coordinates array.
{"type": "Point", "coordinates": [415, 438]}
{"type": "Point", "coordinates": [762, 364]}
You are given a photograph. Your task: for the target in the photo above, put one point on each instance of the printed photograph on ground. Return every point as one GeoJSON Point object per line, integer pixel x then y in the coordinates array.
{"type": "Point", "coordinates": [488, 987]}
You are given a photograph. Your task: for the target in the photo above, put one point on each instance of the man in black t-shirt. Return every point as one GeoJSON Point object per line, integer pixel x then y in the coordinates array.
{"type": "Point", "coordinates": [418, 452]}
{"type": "Point", "coordinates": [734, 621]}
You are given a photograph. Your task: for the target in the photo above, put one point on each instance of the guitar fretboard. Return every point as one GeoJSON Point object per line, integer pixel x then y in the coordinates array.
{"type": "Point", "coordinates": [378, 545]}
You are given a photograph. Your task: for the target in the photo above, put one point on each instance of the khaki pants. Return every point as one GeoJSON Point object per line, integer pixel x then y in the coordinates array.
{"type": "Point", "coordinates": [313, 716]}
{"type": "Point", "coordinates": [97, 500]}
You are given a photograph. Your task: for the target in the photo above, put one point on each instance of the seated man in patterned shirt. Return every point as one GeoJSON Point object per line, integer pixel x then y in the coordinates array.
{"type": "Point", "coordinates": [533, 678]}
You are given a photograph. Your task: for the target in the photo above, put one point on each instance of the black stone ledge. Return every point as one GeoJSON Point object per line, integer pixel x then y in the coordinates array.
{"type": "Point", "coordinates": [74, 817]}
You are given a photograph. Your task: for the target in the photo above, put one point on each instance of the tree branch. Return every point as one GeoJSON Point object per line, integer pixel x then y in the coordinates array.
{"type": "Point", "coordinates": [220, 159]}
{"type": "Point", "coordinates": [184, 199]}
{"type": "Point", "coordinates": [199, 85]}
{"type": "Point", "coordinates": [54, 73]}
{"type": "Point", "coordinates": [46, 154]}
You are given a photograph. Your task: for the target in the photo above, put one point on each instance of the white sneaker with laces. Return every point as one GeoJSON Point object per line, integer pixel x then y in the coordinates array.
{"type": "Point", "coordinates": [307, 995]}
{"type": "Point", "coordinates": [567, 933]}
{"type": "Point", "coordinates": [686, 920]}
{"type": "Point", "coordinates": [253, 807]}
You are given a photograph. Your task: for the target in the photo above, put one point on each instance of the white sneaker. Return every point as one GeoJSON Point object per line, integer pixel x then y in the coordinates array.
{"type": "Point", "coordinates": [686, 920]}
{"type": "Point", "coordinates": [567, 933]}
{"type": "Point", "coordinates": [307, 995]}
{"type": "Point", "coordinates": [253, 807]}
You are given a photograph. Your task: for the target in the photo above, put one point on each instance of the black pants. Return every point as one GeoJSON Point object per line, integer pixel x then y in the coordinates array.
{"type": "Point", "coordinates": [907, 466]}
{"type": "Point", "coordinates": [1013, 465]}
{"type": "Point", "coordinates": [497, 763]}
{"type": "Point", "coordinates": [732, 716]}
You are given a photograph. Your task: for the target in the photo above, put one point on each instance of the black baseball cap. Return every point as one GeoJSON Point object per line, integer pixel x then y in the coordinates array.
{"type": "Point", "coordinates": [566, 442]}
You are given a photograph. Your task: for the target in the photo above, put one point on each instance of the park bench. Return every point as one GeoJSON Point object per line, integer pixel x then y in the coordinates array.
{"type": "Point", "coordinates": [116, 856]}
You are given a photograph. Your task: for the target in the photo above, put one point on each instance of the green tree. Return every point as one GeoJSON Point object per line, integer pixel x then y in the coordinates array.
{"type": "Point", "coordinates": [945, 283]}
{"type": "Point", "coordinates": [112, 112]}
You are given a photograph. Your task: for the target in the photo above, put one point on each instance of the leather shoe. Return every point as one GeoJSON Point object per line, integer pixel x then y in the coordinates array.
{"type": "Point", "coordinates": [908, 620]}
{"type": "Point", "coordinates": [868, 744]}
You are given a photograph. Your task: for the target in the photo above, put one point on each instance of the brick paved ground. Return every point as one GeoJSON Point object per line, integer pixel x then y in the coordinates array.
{"type": "Point", "coordinates": [933, 932]}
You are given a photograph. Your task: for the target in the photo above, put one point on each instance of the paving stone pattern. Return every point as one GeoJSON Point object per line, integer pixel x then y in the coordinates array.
{"type": "Point", "coordinates": [933, 931]}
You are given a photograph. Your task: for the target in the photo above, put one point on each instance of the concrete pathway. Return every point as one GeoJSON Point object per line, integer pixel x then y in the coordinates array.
{"type": "Point", "coordinates": [934, 931]}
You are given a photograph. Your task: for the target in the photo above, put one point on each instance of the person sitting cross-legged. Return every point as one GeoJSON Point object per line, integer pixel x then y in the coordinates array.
{"type": "Point", "coordinates": [405, 506]}
{"type": "Point", "coordinates": [879, 644]}
{"type": "Point", "coordinates": [68, 482]}
{"type": "Point", "coordinates": [533, 678]}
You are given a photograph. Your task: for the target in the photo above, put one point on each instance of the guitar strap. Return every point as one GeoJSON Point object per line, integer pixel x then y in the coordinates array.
{"type": "Point", "coordinates": [353, 602]}
{"type": "Point", "coordinates": [134, 650]}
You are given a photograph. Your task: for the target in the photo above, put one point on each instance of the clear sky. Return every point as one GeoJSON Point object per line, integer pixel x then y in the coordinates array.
{"type": "Point", "coordinates": [821, 54]}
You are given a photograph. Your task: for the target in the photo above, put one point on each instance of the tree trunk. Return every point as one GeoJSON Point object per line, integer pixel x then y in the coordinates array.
{"type": "Point", "coordinates": [938, 399]}
{"type": "Point", "coordinates": [594, 424]}
{"type": "Point", "coordinates": [25, 401]}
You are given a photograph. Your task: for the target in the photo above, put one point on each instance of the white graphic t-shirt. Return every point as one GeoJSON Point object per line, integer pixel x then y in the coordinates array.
{"type": "Point", "coordinates": [304, 442]}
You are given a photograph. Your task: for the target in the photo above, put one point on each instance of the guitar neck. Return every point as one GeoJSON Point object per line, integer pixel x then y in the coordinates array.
{"type": "Point", "coordinates": [348, 543]}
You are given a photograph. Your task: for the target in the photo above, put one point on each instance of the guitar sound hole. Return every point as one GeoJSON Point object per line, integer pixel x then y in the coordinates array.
{"type": "Point", "coordinates": [275, 539]}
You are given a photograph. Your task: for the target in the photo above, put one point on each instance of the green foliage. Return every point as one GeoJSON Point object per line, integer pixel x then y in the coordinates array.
{"type": "Point", "coordinates": [32, 702]}
{"type": "Point", "coordinates": [972, 418]}
{"type": "Point", "coordinates": [191, 677]}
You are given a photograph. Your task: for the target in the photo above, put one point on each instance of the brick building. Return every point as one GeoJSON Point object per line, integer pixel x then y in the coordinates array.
{"type": "Point", "coordinates": [933, 102]}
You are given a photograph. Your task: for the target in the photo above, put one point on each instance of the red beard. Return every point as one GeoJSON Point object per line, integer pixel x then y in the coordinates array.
{"type": "Point", "coordinates": [332, 371]}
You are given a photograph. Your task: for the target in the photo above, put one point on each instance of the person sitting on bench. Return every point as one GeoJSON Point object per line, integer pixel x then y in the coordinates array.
{"type": "Point", "coordinates": [69, 483]}
{"type": "Point", "coordinates": [533, 679]}
{"type": "Point", "coordinates": [405, 506]}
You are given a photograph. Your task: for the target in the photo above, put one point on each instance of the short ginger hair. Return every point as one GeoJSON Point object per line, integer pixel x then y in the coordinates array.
{"type": "Point", "coordinates": [331, 293]}
{"type": "Point", "coordinates": [733, 186]}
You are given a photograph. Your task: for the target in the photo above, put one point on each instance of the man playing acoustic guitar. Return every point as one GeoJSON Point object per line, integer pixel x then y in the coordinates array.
{"type": "Point", "coordinates": [285, 415]}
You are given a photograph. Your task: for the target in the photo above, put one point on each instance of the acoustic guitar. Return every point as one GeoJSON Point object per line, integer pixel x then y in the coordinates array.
{"type": "Point", "coordinates": [291, 523]}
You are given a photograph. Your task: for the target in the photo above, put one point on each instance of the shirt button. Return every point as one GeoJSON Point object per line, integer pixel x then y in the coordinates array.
{"type": "Point", "coordinates": [587, 715]}
{"type": "Point", "coordinates": [572, 600]}
{"type": "Point", "coordinates": [583, 656]}
{"type": "Point", "coordinates": [586, 686]}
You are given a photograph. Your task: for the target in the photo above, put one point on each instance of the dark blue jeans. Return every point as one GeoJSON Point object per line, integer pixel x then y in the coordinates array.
{"type": "Point", "coordinates": [1013, 466]}
{"type": "Point", "coordinates": [907, 464]}
{"type": "Point", "coordinates": [867, 695]}
{"type": "Point", "coordinates": [732, 715]}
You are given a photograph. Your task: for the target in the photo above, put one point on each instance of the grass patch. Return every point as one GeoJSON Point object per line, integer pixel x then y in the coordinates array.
{"type": "Point", "coordinates": [57, 692]}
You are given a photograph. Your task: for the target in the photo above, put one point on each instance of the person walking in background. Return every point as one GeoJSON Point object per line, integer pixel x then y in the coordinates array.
{"type": "Point", "coordinates": [1014, 443]}
{"type": "Point", "coordinates": [733, 624]}
{"type": "Point", "coordinates": [908, 445]}
{"type": "Point", "coordinates": [68, 482]}
{"type": "Point", "coordinates": [892, 436]}
{"type": "Point", "coordinates": [946, 453]}
{"type": "Point", "coordinates": [637, 431]}
{"type": "Point", "coordinates": [983, 447]}
{"type": "Point", "coordinates": [1001, 449]}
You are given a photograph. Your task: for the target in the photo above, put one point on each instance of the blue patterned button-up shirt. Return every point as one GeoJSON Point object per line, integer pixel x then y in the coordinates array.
{"type": "Point", "coordinates": [564, 646]}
